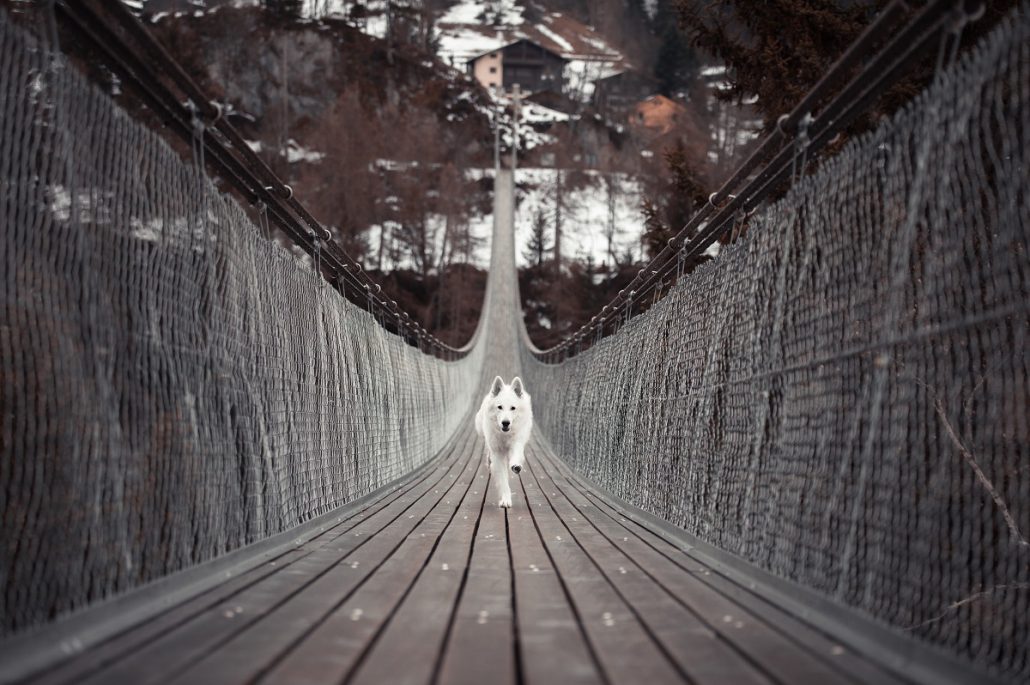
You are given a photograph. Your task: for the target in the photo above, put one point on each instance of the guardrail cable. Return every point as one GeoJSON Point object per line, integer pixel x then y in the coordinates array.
{"type": "Point", "coordinates": [798, 135]}
{"type": "Point", "coordinates": [148, 67]}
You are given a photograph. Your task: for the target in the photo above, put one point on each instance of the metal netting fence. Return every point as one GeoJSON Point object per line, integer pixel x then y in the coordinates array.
{"type": "Point", "coordinates": [842, 396]}
{"type": "Point", "coordinates": [173, 385]}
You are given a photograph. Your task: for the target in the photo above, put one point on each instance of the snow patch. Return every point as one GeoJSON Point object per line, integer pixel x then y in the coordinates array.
{"type": "Point", "coordinates": [717, 70]}
{"type": "Point", "coordinates": [587, 216]}
{"type": "Point", "coordinates": [506, 12]}
{"type": "Point", "coordinates": [295, 152]}
{"type": "Point", "coordinates": [533, 113]}
{"type": "Point", "coordinates": [558, 40]}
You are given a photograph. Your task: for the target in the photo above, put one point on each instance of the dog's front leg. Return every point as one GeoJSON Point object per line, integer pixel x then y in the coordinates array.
{"type": "Point", "coordinates": [500, 474]}
{"type": "Point", "coordinates": [518, 458]}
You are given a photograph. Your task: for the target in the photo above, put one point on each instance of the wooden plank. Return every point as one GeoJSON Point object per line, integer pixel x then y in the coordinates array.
{"type": "Point", "coordinates": [322, 629]}
{"type": "Point", "coordinates": [401, 613]}
{"type": "Point", "coordinates": [622, 645]}
{"type": "Point", "coordinates": [284, 592]}
{"type": "Point", "coordinates": [126, 643]}
{"type": "Point", "coordinates": [123, 647]}
{"type": "Point", "coordinates": [804, 636]}
{"type": "Point", "coordinates": [781, 645]}
{"type": "Point", "coordinates": [408, 650]}
{"type": "Point", "coordinates": [481, 644]}
{"type": "Point", "coordinates": [701, 653]}
{"type": "Point", "coordinates": [823, 646]}
{"type": "Point", "coordinates": [551, 641]}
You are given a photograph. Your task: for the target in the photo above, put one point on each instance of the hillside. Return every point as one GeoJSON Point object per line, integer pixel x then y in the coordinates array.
{"type": "Point", "coordinates": [371, 115]}
{"type": "Point", "coordinates": [378, 146]}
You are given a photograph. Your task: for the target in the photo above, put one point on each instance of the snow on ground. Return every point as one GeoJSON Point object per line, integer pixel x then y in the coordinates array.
{"type": "Point", "coordinates": [458, 46]}
{"type": "Point", "coordinates": [373, 21]}
{"type": "Point", "coordinates": [580, 75]}
{"type": "Point", "coordinates": [435, 224]}
{"type": "Point", "coordinates": [530, 113]}
{"type": "Point", "coordinates": [533, 113]}
{"type": "Point", "coordinates": [585, 220]}
{"type": "Point", "coordinates": [507, 12]}
{"type": "Point", "coordinates": [585, 214]}
{"type": "Point", "coordinates": [295, 152]}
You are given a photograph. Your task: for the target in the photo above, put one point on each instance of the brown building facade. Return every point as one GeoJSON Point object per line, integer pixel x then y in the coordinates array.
{"type": "Point", "coordinates": [533, 67]}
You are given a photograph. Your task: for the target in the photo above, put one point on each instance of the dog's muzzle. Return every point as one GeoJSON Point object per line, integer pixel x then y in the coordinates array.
{"type": "Point", "coordinates": [505, 426]}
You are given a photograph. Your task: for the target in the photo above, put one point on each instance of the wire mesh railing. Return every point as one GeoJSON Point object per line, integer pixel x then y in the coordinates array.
{"type": "Point", "coordinates": [116, 37]}
{"type": "Point", "coordinates": [798, 137]}
{"type": "Point", "coordinates": [173, 384]}
{"type": "Point", "coordinates": [841, 397]}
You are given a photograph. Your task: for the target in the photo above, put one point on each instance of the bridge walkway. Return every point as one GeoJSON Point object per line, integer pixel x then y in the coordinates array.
{"type": "Point", "coordinates": [432, 582]}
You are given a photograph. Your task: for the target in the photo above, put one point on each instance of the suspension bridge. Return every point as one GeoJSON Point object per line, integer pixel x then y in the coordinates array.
{"type": "Point", "coordinates": [807, 461]}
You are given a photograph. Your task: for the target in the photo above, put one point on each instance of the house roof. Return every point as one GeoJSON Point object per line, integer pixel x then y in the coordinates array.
{"type": "Point", "coordinates": [628, 74]}
{"type": "Point", "coordinates": [520, 40]}
{"type": "Point", "coordinates": [659, 102]}
{"type": "Point", "coordinates": [658, 113]}
{"type": "Point", "coordinates": [553, 100]}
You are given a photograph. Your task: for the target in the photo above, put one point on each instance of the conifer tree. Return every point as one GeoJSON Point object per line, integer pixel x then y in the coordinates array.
{"type": "Point", "coordinates": [676, 62]}
{"type": "Point", "coordinates": [537, 245]}
{"type": "Point", "coordinates": [289, 9]}
{"type": "Point", "coordinates": [775, 49]}
{"type": "Point", "coordinates": [778, 50]}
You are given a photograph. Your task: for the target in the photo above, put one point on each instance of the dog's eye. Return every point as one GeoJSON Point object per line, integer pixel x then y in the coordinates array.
{"type": "Point", "coordinates": [500, 407]}
{"type": "Point", "coordinates": [513, 408]}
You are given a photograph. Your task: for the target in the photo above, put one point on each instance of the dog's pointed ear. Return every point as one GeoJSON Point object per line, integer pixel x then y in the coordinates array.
{"type": "Point", "coordinates": [516, 386]}
{"type": "Point", "coordinates": [495, 389]}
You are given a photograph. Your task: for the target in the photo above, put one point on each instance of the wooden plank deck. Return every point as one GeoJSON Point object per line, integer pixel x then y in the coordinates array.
{"type": "Point", "coordinates": [432, 583]}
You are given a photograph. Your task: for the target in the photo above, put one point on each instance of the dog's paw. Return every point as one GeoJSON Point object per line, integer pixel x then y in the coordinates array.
{"type": "Point", "coordinates": [516, 468]}
{"type": "Point", "coordinates": [505, 502]}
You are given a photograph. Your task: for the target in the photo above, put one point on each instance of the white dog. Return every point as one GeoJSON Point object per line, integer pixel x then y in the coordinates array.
{"type": "Point", "coordinates": [504, 421]}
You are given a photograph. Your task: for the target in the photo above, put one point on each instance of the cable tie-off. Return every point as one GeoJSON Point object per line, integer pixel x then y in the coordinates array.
{"type": "Point", "coordinates": [219, 111]}
{"type": "Point", "coordinates": [780, 122]}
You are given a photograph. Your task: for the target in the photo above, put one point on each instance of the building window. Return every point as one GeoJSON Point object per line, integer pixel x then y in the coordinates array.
{"type": "Point", "coordinates": [493, 70]}
{"type": "Point", "coordinates": [493, 55]}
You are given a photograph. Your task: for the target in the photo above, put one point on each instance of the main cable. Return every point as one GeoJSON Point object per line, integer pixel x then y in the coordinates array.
{"type": "Point", "coordinates": [879, 72]}
{"type": "Point", "coordinates": [228, 152]}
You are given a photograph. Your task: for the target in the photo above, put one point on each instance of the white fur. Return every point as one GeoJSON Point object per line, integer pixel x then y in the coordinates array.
{"type": "Point", "coordinates": [505, 448]}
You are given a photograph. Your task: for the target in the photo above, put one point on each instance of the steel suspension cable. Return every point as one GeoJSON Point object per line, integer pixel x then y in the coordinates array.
{"type": "Point", "coordinates": [880, 71]}
{"type": "Point", "coordinates": [108, 27]}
